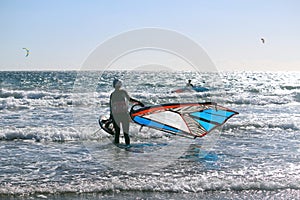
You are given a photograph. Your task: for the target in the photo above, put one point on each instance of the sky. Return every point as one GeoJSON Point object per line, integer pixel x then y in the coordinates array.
{"type": "Point", "coordinates": [61, 34]}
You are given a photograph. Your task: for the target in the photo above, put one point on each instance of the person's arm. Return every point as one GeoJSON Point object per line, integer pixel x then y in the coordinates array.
{"type": "Point", "coordinates": [133, 100]}
{"type": "Point", "coordinates": [110, 109]}
{"type": "Point", "coordinates": [136, 101]}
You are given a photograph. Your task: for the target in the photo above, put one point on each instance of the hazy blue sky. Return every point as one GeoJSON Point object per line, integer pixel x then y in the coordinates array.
{"type": "Point", "coordinates": [62, 33]}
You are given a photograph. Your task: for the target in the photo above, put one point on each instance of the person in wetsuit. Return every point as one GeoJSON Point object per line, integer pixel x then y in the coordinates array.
{"type": "Point", "coordinates": [119, 99]}
{"type": "Point", "coordinates": [189, 84]}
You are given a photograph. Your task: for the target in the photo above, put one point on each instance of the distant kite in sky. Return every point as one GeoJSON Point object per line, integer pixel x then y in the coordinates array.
{"type": "Point", "coordinates": [262, 40]}
{"type": "Point", "coordinates": [27, 52]}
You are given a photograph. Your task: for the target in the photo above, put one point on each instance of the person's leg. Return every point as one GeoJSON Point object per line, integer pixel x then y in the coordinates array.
{"type": "Point", "coordinates": [125, 125]}
{"type": "Point", "coordinates": [127, 139]}
{"type": "Point", "coordinates": [117, 131]}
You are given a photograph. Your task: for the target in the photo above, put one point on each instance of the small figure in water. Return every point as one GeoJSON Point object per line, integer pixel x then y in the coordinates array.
{"type": "Point", "coordinates": [119, 110]}
{"type": "Point", "coordinates": [189, 84]}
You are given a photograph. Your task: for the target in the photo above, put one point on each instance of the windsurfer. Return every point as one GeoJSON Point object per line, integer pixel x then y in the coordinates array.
{"type": "Point", "coordinates": [119, 110]}
{"type": "Point", "coordinates": [189, 84]}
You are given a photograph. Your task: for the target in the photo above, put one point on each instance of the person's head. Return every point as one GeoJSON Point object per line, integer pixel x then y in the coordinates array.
{"type": "Point", "coordinates": [190, 81]}
{"type": "Point", "coordinates": [117, 83]}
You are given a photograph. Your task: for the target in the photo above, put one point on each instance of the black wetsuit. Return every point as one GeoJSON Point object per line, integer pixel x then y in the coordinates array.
{"type": "Point", "coordinates": [119, 111]}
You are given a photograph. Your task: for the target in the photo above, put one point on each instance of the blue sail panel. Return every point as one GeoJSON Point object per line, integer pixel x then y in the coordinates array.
{"type": "Point", "coordinates": [218, 116]}
{"type": "Point", "coordinates": [209, 117]}
{"type": "Point", "coordinates": [224, 113]}
{"type": "Point", "coordinates": [206, 125]}
{"type": "Point", "coordinates": [151, 123]}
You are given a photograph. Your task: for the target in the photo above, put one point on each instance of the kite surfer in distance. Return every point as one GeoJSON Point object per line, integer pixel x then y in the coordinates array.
{"type": "Point", "coordinates": [27, 52]}
{"type": "Point", "coordinates": [119, 114]}
{"type": "Point", "coordinates": [189, 84]}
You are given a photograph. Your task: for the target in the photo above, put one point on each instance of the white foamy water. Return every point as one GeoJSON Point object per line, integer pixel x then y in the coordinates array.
{"type": "Point", "coordinates": [51, 147]}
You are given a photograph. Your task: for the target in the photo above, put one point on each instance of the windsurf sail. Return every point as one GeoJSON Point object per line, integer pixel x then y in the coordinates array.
{"type": "Point", "coordinates": [191, 89]}
{"type": "Point", "coordinates": [200, 89]}
{"type": "Point", "coordinates": [184, 119]}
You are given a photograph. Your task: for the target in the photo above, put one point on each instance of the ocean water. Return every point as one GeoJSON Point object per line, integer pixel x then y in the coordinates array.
{"type": "Point", "coordinates": [51, 146]}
